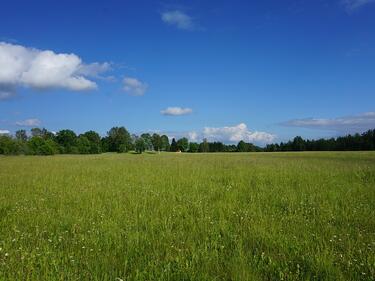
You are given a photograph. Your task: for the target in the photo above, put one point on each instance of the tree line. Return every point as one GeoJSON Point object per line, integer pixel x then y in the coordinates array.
{"type": "Point", "coordinates": [364, 141]}
{"type": "Point", "coordinates": [118, 139]}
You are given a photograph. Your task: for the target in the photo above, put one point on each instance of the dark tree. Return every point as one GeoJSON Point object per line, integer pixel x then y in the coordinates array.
{"type": "Point", "coordinates": [39, 146]}
{"type": "Point", "coordinates": [183, 144]}
{"type": "Point", "coordinates": [165, 146]}
{"type": "Point", "coordinates": [8, 145]}
{"type": "Point", "coordinates": [173, 147]}
{"type": "Point", "coordinates": [156, 142]}
{"type": "Point", "coordinates": [148, 141]}
{"type": "Point", "coordinates": [83, 145]}
{"type": "Point", "coordinates": [21, 135]}
{"type": "Point", "coordinates": [140, 145]}
{"type": "Point", "coordinates": [204, 146]}
{"type": "Point", "coordinates": [67, 140]}
{"type": "Point", "coordinates": [193, 147]}
{"type": "Point", "coordinates": [95, 141]}
{"type": "Point", "coordinates": [36, 132]}
{"type": "Point", "coordinates": [119, 140]}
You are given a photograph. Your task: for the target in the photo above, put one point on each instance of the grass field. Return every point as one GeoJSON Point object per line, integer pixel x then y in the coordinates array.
{"type": "Point", "coordinates": [255, 216]}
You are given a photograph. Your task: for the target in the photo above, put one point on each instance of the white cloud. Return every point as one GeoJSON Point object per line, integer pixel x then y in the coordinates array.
{"type": "Point", "coordinates": [134, 87]}
{"type": "Point", "coordinates": [236, 134]}
{"type": "Point", "coordinates": [32, 122]}
{"type": "Point", "coordinates": [176, 111]}
{"type": "Point", "coordinates": [352, 5]}
{"type": "Point", "coordinates": [193, 136]}
{"type": "Point", "coordinates": [4, 132]}
{"type": "Point", "coordinates": [224, 134]}
{"type": "Point", "coordinates": [347, 124]}
{"type": "Point", "coordinates": [45, 69]}
{"type": "Point", "coordinates": [94, 69]}
{"type": "Point", "coordinates": [178, 19]}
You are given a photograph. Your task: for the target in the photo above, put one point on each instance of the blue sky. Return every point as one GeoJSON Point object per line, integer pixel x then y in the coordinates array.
{"type": "Point", "coordinates": [227, 70]}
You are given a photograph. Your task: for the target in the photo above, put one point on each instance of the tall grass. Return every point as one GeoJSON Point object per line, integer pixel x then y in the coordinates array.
{"type": "Point", "coordinates": [271, 216]}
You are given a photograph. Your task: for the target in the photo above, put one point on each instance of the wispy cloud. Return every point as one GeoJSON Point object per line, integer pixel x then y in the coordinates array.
{"type": "Point", "coordinates": [4, 132]}
{"type": "Point", "coordinates": [179, 19]}
{"type": "Point", "coordinates": [134, 87]}
{"type": "Point", "coordinates": [352, 5]}
{"type": "Point", "coordinates": [32, 122]}
{"type": "Point", "coordinates": [176, 111]}
{"type": "Point", "coordinates": [347, 124]}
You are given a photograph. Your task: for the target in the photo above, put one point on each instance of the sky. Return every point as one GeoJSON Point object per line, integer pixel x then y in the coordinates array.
{"type": "Point", "coordinates": [262, 71]}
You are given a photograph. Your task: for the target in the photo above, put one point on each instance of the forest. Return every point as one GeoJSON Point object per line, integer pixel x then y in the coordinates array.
{"type": "Point", "coordinates": [118, 139]}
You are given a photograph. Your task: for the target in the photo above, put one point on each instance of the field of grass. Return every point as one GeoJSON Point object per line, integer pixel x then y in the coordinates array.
{"type": "Point", "coordinates": [254, 216]}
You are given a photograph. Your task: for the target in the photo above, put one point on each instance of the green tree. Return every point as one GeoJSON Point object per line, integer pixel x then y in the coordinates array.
{"type": "Point", "coordinates": [173, 147]}
{"type": "Point", "coordinates": [119, 139]}
{"type": "Point", "coordinates": [36, 132]}
{"type": "Point", "coordinates": [39, 146]}
{"type": "Point", "coordinates": [156, 142]}
{"type": "Point", "coordinates": [242, 146]}
{"type": "Point", "coordinates": [165, 146]}
{"type": "Point", "coordinates": [83, 145]}
{"type": "Point", "coordinates": [204, 146]}
{"type": "Point", "coordinates": [8, 145]}
{"type": "Point", "coordinates": [21, 135]}
{"type": "Point", "coordinates": [95, 141]}
{"type": "Point", "coordinates": [140, 145]}
{"type": "Point", "coordinates": [193, 147]}
{"type": "Point", "coordinates": [67, 140]}
{"type": "Point", "coordinates": [148, 140]}
{"type": "Point", "coordinates": [183, 144]}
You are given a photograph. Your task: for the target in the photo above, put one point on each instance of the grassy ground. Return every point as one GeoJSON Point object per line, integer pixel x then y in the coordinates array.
{"type": "Point", "coordinates": [273, 216]}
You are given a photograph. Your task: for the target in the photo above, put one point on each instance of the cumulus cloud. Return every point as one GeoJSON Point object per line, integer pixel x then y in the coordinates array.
{"type": "Point", "coordinates": [4, 132]}
{"type": "Point", "coordinates": [134, 87]}
{"type": "Point", "coordinates": [176, 111]}
{"type": "Point", "coordinates": [347, 124]}
{"type": "Point", "coordinates": [44, 69]}
{"type": "Point", "coordinates": [352, 5]}
{"type": "Point", "coordinates": [94, 69]}
{"type": "Point", "coordinates": [193, 136]}
{"type": "Point", "coordinates": [236, 134]}
{"type": "Point", "coordinates": [225, 134]}
{"type": "Point", "coordinates": [178, 19]}
{"type": "Point", "coordinates": [32, 122]}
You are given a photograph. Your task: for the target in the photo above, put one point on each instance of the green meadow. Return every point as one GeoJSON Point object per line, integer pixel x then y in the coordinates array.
{"type": "Point", "coordinates": [234, 216]}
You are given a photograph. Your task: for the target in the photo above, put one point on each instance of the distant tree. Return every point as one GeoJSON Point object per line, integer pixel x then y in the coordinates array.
{"type": "Point", "coordinates": [148, 141]}
{"type": "Point", "coordinates": [95, 141]}
{"type": "Point", "coordinates": [39, 146]}
{"type": "Point", "coordinates": [204, 146]}
{"type": "Point", "coordinates": [165, 146]}
{"type": "Point", "coordinates": [67, 140]}
{"type": "Point", "coordinates": [298, 144]}
{"type": "Point", "coordinates": [156, 142]}
{"type": "Point", "coordinates": [193, 147]}
{"type": "Point", "coordinates": [183, 144]}
{"type": "Point", "coordinates": [8, 145]}
{"type": "Point", "coordinates": [216, 147]}
{"type": "Point", "coordinates": [119, 139]}
{"type": "Point", "coordinates": [173, 147]}
{"type": "Point", "coordinates": [47, 134]}
{"type": "Point", "coordinates": [241, 146]}
{"type": "Point", "coordinates": [21, 135]}
{"type": "Point", "coordinates": [140, 145]}
{"type": "Point", "coordinates": [36, 132]}
{"type": "Point", "coordinates": [83, 145]}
